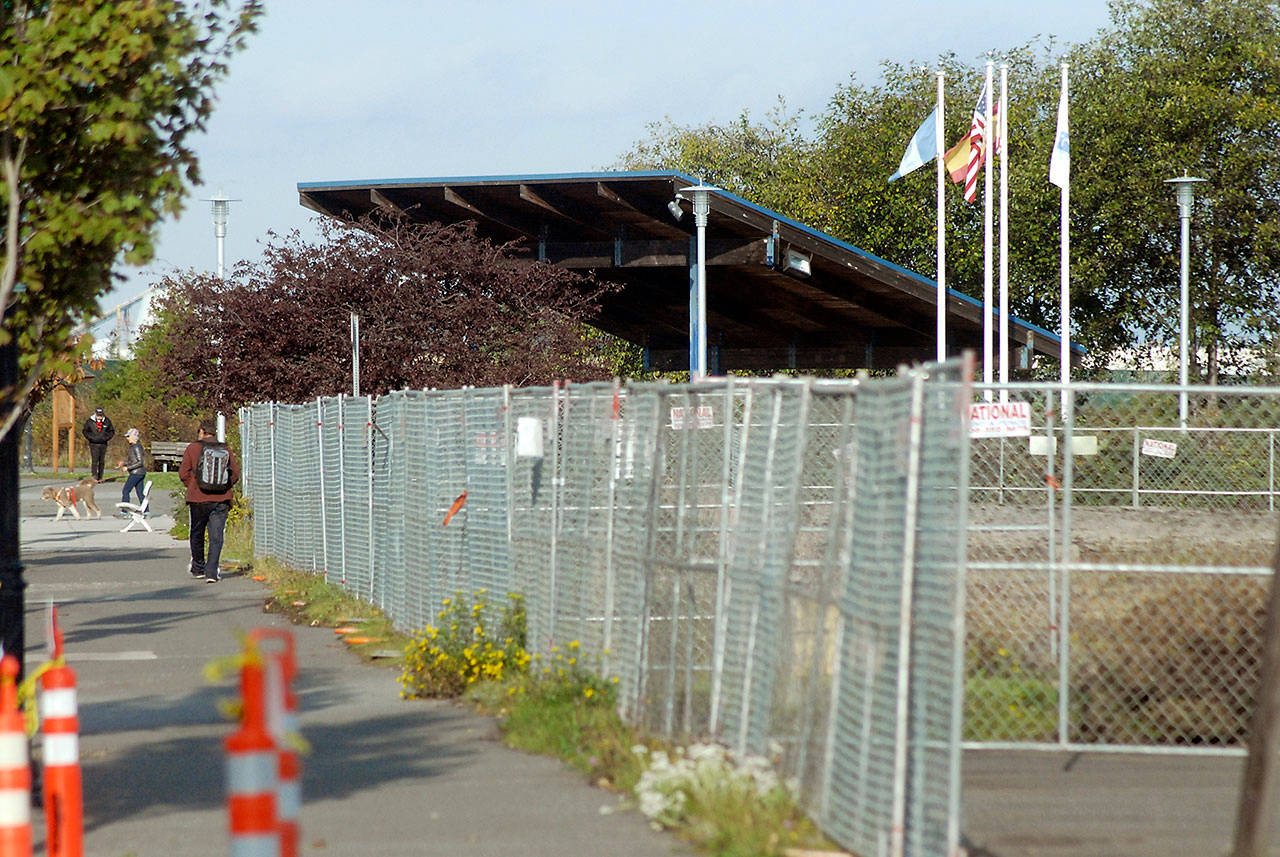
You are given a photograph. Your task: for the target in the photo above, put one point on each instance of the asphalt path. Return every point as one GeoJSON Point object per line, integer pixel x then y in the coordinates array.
{"type": "Point", "coordinates": [384, 777]}
{"type": "Point", "coordinates": [389, 777]}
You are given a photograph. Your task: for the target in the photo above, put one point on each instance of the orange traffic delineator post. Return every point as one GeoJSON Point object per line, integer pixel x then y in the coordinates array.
{"type": "Point", "coordinates": [60, 725]}
{"type": "Point", "coordinates": [282, 723]}
{"type": "Point", "coordinates": [15, 767]}
{"type": "Point", "coordinates": [251, 772]}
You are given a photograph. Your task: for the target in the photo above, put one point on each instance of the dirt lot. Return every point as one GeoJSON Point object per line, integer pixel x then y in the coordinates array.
{"type": "Point", "coordinates": [1226, 538]}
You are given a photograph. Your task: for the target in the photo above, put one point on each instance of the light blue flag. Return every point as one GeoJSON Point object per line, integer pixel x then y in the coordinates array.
{"type": "Point", "coordinates": [925, 142]}
{"type": "Point", "coordinates": [1060, 160]}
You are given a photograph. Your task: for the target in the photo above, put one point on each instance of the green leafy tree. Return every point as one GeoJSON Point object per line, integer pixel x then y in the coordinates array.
{"type": "Point", "coordinates": [1174, 86]}
{"type": "Point", "coordinates": [98, 100]}
{"type": "Point", "coordinates": [764, 162]}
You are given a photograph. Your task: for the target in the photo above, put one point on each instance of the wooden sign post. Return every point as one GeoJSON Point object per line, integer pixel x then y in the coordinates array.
{"type": "Point", "coordinates": [64, 417]}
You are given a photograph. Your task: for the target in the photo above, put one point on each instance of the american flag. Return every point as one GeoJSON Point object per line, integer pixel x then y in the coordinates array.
{"type": "Point", "coordinates": [977, 148]}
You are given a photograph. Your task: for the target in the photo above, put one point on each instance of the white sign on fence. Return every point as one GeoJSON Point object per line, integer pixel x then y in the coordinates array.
{"type": "Point", "coordinates": [703, 417]}
{"type": "Point", "coordinates": [1086, 444]}
{"type": "Point", "coordinates": [1000, 419]}
{"type": "Point", "coordinates": [1159, 448]}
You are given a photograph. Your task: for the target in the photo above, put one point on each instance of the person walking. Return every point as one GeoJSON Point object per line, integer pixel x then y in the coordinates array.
{"type": "Point", "coordinates": [209, 469]}
{"type": "Point", "coordinates": [98, 431]}
{"type": "Point", "coordinates": [133, 465]}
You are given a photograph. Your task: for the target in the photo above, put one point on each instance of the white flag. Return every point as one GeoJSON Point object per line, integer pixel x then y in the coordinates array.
{"type": "Point", "coordinates": [1060, 161]}
{"type": "Point", "coordinates": [922, 149]}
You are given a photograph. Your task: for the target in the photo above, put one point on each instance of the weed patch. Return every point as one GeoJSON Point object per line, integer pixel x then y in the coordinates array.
{"type": "Point", "coordinates": [306, 599]}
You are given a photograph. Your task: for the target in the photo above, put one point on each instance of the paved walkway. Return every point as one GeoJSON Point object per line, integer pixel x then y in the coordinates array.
{"type": "Point", "coordinates": [389, 777]}
{"type": "Point", "coordinates": [386, 777]}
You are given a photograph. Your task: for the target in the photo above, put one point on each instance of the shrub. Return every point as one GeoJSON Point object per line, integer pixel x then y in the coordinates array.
{"type": "Point", "coordinates": [726, 803]}
{"type": "Point", "coordinates": [443, 660]}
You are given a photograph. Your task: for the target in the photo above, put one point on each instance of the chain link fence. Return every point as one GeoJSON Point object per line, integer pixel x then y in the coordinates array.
{"type": "Point", "coordinates": [772, 564]}
{"type": "Point", "coordinates": [1118, 567]}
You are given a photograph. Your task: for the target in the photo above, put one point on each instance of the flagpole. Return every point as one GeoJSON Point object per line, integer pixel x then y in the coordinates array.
{"type": "Point", "coordinates": [1065, 353]}
{"type": "Point", "coordinates": [1002, 120]}
{"type": "Point", "coordinates": [987, 284]}
{"type": "Point", "coordinates": [942, 225]}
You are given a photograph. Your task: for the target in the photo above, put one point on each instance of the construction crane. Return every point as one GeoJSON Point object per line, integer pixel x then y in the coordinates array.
{"type": "Point", "coordinates": [115, 331]}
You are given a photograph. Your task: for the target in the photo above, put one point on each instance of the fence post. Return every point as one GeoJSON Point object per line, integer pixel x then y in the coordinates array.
{"type": "Point", "coordinates": [615, 462]}
{"type": "Point", "coordinates": [1064, 622]}
{"type": "Point", "coordinates": [723, 584]}
{"type": "Point", "coordinates": [555, 504]}
{"type": "Point", "coordinates": [837, 523]}
{"type": "Point", "coordinates": [342, 484]}
{"type": "Point", "coordinates": [1255, 813]}
{"type": "Point", "coordinates": [685, 435]}
{"type": "Point", "coordinates": [1137, 464]}
{"type": "Point", "coordinates": [509, 452]}
{"type": "Point", "coordinates": [275, 520]}
{"type": "Point", "coordinates": [368, 446]}
{"type": "Point", "coordinates": [656, 471]}
{"type": "Point", "coordinates": [906, 615]}
{"type": "Point", "coordinates": [324, 517]}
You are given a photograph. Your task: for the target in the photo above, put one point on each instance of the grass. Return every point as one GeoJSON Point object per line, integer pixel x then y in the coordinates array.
{"type": "Point", "coordinates": [555, 718]}
{"type": "Point", "coordinates": [1010, 709]}
{"type": "Point", "coordinates": [561, 709]}
{"type": "Point", "coordinates": [306, 599]}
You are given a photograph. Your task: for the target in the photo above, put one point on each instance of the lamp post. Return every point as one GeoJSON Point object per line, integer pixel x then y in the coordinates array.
{"type": "Point", "coordinates": [698, 308]}
{"type": "Point", "coordinates": [1186, 192]}
{"type": "Point", "coordinates": [221, 211]}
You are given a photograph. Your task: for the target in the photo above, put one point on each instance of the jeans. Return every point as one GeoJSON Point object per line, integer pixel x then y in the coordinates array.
{"type": "Point", "coordinates": [133, 483]}
{"type": "Point", "coordinates": [210, 517]}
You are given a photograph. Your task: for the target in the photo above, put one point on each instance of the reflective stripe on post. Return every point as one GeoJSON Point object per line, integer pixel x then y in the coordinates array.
{"type": "Point", "coordinates": [15, 768]}
{"type": "Point", "coordinates": [252, 774]}
{"type": "Point", "coordinates": [282, 724]}
{"type": "Point", "coordinates": [63, 789]}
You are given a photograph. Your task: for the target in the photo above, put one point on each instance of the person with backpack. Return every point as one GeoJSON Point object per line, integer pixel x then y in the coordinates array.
{"type": "Point", "coordinates": [208, 469]}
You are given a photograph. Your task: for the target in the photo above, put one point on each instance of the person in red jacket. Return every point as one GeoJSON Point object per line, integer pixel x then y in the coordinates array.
{"type": "Point", "coordinates": [209, 470]}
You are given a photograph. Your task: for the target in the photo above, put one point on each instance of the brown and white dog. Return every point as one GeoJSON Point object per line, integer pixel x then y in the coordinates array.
{"type": "Point", "coordinates": [69, 496]}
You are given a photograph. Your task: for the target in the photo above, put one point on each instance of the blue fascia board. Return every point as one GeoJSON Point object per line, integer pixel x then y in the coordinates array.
{"type": "Point", "coordinates": [675, 174]}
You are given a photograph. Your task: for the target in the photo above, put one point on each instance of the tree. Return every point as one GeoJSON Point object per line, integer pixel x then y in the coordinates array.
{"type": "Point", "coordinates": [764, 162]}
{"type": "Point", "coordinates": [1180, 85]}
{"type": "Point", "coordinates": [98, 100]}
{"type": "Point", "coordinates": [438, 307]}
{"type": "Point", "coordinates": [838, 181]}
{"type": "Point", "coordinates": [1173, 85]}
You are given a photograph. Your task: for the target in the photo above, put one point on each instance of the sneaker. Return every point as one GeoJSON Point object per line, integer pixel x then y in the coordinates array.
{"type": "Point", "coordinates": [191, 570]}
{"type": "Point", "coordinates": [212, 579]}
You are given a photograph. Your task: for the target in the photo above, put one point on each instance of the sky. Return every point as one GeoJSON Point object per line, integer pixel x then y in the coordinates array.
{"type": "Point", "coordinates": [331, 90]}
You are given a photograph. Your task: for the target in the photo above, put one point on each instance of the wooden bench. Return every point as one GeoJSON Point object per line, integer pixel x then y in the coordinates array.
{"type": "Point", "coordinates": [166, 452]}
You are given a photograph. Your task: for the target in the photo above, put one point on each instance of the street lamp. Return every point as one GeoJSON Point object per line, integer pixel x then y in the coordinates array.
{"type": "Point", "coordinates": [221, 211]}
{"type": "Point", "coordinates": [1186, 192]}
{"type": "Point", "coordinates": [700, 194]}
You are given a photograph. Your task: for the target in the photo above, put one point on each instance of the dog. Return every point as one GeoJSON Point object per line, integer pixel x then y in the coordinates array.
{"type": "Point", "coordinates": [70, 496]}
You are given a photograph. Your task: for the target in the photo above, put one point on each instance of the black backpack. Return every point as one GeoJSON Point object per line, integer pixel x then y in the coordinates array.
{"type": "Point", "coordinates": [213, 468]}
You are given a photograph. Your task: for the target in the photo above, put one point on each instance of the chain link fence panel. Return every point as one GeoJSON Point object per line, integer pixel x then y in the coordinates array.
{"type": "Point", "coordinates": [771, 564]}
{"type": "Point", "coordinates": [1118, 568]}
